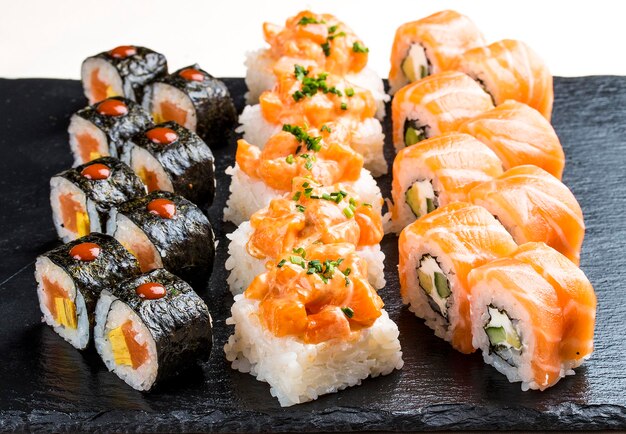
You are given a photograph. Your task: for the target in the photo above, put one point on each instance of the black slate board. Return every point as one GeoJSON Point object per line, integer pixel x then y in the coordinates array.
{"type": "Point", "coordinates": [47, 385]}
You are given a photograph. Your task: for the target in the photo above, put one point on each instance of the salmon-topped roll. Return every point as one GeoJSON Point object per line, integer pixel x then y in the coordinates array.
{"type": "Point", "coordinates": [576, 297]}
{"type": "Point", "coordinates": [310, 214]}
{"type": "Point", "coordinates": [430, 45]}
{"type": "Point", "coordinates": [435, 105]}
{"type": "Point", "coordinates": [510, 69]}
{"type": "Point", "coordinates": [436, 254]}
{"type": "Point", "coordinates": [307, 95]}
{"type": "Point", "coordinates": [312, 324]}
{"type": "Point", "coordinates": [262, 175]}
{"type": "Point", "coordinates": [534, 206]}
{"type": "Point", "coordinates": [519, 135]}
{"type": "Point", "coordinates": [438, 171]}
{"type": "Point", "coordinates": [319, 38]}
{"type": "Point", "coordinates": [517, 322]}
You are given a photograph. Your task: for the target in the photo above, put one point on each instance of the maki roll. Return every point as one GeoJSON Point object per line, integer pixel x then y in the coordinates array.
{"type": "Point", "coordinates": [196, 100]}
{"type": "Point", "coordinates": [122, 71]}
{"type": "Point", "coordinates": [101, 129]}
{"type": "Point", "coordinates": [436, 172]}
{"type": "Point", "coordinates": [164, 230]}
{"type": "Point", "coordinates": [70, 279]}
{"type": "Point", "coordinates": [319, 38]}
{"type": "Point", "coordinates": [262, 175]}
{"type": "Point", "coordinates": [519, 135]}
{"type": "Point", "coordinates": [510, 69]}
{"type": "Point", "coordinates": [150, 327]}
{"type": "Point", "coordinates": [430, 45]}
{"type": "Point", "coordinates": [436, 254]}
{"type": "Point", "coordinates": [82, 197]}
{"type": "Point", "coordinates": [435, 105]}
{"type": "Point", "coordinates": [312, 324]}
{"type": "Point", "coordinates": [534, 206]}
{"type": "Point", "coordinates": [307, 95]}
{"type": "Point", "coordinates": [172, 158]}
{"type": "Point", "coordinates": [312, 213]}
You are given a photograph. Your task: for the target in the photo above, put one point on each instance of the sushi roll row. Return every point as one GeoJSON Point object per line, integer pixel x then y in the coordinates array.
{"type": "Point", "coordinates": [528, 308]}
{"type": "Point", "coordinates": [449, 41]}
{"type": "Point", "coordinates": [305, 261]}
{"type": "Point", "coordinates": [314, 72]}
{"type": "Point", "coordinates": [146, 327]}
{"type": "Point", "coordinates": [190, 96]}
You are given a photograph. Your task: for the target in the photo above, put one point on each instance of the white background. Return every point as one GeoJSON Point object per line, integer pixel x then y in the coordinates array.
{"type": "Point", "coordinates": [50, 38]}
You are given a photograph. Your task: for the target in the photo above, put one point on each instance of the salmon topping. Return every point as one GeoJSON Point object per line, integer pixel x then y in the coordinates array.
{"type": "Point", "coordinates": [321, 154]}
{"type": "Point", "coordinates": [126, 350]}
{"type": "Point", "coordinates": [313, 214]}
{"type": "Point", "coordinates": [317, 294]}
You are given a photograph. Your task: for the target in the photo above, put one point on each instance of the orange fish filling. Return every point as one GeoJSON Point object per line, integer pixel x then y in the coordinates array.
{"type": "Point", "coordinates": [313, 213]}
{"type": "Point", "coordinates": [62, 309]}
{"type": "Point", "coordinates": [126, 350]}
{"type": "Point", "coordinates": [169, 111]}
{"type": "Point", "coordinates": [317, 294]}
{"type": "Point", "coordinates": [283, 158]}
{"type": "Point", "coordinates": [74, 216]}
{"type": "Point", "coordinates": [149, 178]}
{"type": "Point", "coordinates": [88, 147]}
{"type": "Point", "coordinates": [319, 37]}
{"type": "Point", "coordinates": [99, 89]}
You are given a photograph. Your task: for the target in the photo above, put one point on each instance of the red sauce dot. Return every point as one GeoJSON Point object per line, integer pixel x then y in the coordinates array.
{"type": "Point", "coordinates": [112, 107]}
{"type": "Point", "coordinates": [123, 51]}
{"type": "Point", "coordinates": [191, 74]}
{"type": "Point", "coordinates": [96, 172]}
{"type": "Point", "coordinates": [163, 208]}
{"type": "Point", "coordinates": [150, 290]}
{"type": "Point", "coordinates": [162, 135]}
{"type": "Point", "coordinates": [85, 251]}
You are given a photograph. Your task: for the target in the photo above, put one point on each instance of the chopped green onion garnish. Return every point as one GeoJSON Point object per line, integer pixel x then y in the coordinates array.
{"type": "Point", "coordinates": [347, 311]}
{"type": "Point", "coordinates": [289, 159]}
{"type": "Point", "coordinates": [350, 91]}
{"type": "Point", "coordinates": [357, 47]}
{"type": "Point", "coordinates": [297, 195]}
{"type": "Point", "coordinates": [344, 106]}
{"type": "Point", "coordinates": [348, 212]}
{"type": "Point", "coordinates": [281, 263]}
{"type": "Point", "coordinates": [300, 208]}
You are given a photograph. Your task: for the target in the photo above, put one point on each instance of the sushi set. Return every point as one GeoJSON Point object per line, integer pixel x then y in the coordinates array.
{"type": "Point", "coordinates": [349, 239]}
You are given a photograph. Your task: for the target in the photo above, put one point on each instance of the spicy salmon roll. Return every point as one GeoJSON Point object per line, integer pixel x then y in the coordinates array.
{"type": "Point", "coordinates": [306, 343]}
{"type": "Point", "coordinates": [81, 198]}
{"type": "Point", "coordinates": [430, 45]}
{"type": "Point", "coordinates": [150, 327]}
{"type": "Point", "coordinates": [164, 230]}
{"type": "Point", "coordinates": [307, 95]}
{"type": "Point", "coordinates": [510, 69]}
{"type": "Point", "coordinates": [262, 175]}
{"type": "Point", "coordinates": [311, 214]}
{"type": "Point", "coordinates": [534, 206]}
{"type": "Point", "coordinates": [436, 254]}
{"type": "Point", "coordinates": [101, 129]}
{"type": "Point", "coordinates": [435, 172]}
{"type": "Point", "coordinates": [70, 279]}
{"type": "Point", "coordinates": [196, 100]}
{"type": "Point", "coordinates": [517, 322]}
{"type": "Point", "coordinates": [435, 105]}
{"type": "Point", "coordinates": [122, 71]}
{"type": "Point", "coordinates": [318, 38]}
{"type": "Point", "coordinates": [519, 135]}
{"type": "Point", "coordinates": [170, 157]}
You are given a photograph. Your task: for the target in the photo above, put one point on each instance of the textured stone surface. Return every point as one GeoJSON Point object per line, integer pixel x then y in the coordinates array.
{"type": "Point", "coordinates": [47, 385]}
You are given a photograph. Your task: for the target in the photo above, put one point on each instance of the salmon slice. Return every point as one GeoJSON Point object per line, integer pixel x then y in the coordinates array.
{"type": "Point", "coordinates": [89, 147]}
{"type": "Point", "coordinates": [535, 206]}
{"type": "Point", "coordinates": [454, 163]}
{"type": "Point", "coordinates": [509, 69]}
{"type": "Point", "coordinates": [464, 236]}
{"type": "Point", "coordinates": [126, 350]}
{"type": "Point", "coordinates": [519, 135]}
{"type": "Point", "coordinates": [444, 36]}
{"type": "Point", "coordinates": [62, 309]}
{"type": "Point", "coordinates": [576, 298]}
{"type": "Point", "coordinates": [532, 294]}
{"type": "Point", "coordinates": [168, 111]}
{"type": "Point", "coordinates": [75, 217]}
{"type": "Point", "coordinates": [440, 102]}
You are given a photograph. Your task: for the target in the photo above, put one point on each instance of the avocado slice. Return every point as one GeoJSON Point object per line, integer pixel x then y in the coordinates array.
{"type": "Point", "coordinates": [442, 285]}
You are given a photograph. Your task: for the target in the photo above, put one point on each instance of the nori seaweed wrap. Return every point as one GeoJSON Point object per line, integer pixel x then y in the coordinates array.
{"type": "Point", "coordinates": [181, 242]}
{"type": "Point", "coordinates": [172, 158]}
{"type": "Point", "coordinates": [214, 115]}
{"type": "Point", "coordinates": [174, 322]}
{"type": "Point", "coordinates": [101, 129]}
{"type": "Point", "coordinates": [70, 282]}
{"type": "Point", "coordinates": [122, 71]}
{"type": "Point", "coordinates": [90, 191]}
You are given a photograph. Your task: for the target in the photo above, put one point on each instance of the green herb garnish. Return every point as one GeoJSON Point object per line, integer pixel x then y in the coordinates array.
{"type": "Point", "coordinates": [357, 47]}
{"type": "Point", "coordinates": [281, 263]}
{"type": "Point", "coordinates": [289, 159]}
{"type": "Point", "coordinates": [349, 91]}
{"type": "Point", "coordinates": [347, 311]}
{"type": "Point", "coordinates": [300, 208]}
{"type": "Point", "coordinates": [326, 128]}
{"type": "Point", "coordinates": [344, 106]}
